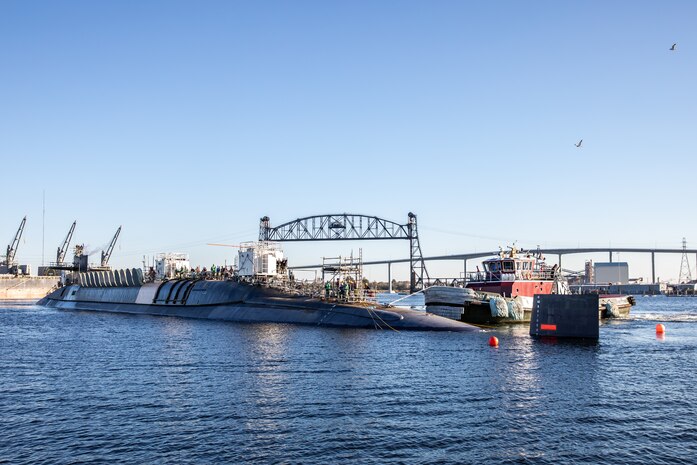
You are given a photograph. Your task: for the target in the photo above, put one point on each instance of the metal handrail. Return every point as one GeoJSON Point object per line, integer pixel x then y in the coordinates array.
{"type": "Point", "coordinates": [450, 282]}
{"type": "Point", "coordinates": [520, 275]}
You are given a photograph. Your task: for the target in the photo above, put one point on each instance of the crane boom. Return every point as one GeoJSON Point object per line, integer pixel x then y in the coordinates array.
{"type": "Point", "coordinates": [60, 256]}
{"type": "Point", "coordinates": [107, 255]}
{"type": "Point", "coordinates": [12, 248]}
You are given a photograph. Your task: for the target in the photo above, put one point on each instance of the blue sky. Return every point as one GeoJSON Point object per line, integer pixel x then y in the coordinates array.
{"type": "Point", "coordinates": [186, 122]}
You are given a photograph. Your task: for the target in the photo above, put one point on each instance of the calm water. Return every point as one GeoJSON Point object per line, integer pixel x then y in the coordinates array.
{"type": "Point", "coordinates": [107, 388]}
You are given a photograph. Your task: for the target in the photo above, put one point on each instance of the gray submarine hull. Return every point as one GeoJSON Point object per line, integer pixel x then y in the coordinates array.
{"type": "Point", "coordinates": [241, 302]}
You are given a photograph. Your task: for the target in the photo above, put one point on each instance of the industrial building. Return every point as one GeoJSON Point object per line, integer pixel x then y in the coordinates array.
{"type": "Point", "coordinates": [611, 273]}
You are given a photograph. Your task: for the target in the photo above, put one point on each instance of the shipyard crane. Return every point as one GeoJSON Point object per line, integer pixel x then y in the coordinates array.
{"type": "Point", "coordinates": [12, 248]}
{"type": "Point", "coordinates": [107, 255]}
{"type": "Point", "coordinates": [60, 255]}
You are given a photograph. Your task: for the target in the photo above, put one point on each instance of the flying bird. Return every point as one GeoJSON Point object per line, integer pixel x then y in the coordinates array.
{"type": "Point", "coordinates": [672, 48]}
{"type": "Point", "coordinates": [579, 143]}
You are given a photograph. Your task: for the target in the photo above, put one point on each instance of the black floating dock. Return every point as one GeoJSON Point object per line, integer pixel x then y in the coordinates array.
{"type": "Point", "coordinates": [567, 316]}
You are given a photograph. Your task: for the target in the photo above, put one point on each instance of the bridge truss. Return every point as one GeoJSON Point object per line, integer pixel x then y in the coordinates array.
{"type": "Point", "coordinates": [351, 227]}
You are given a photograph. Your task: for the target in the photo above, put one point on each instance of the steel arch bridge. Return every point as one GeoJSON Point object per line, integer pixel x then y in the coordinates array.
{"type": "Point", "coordinates": [351, 227]}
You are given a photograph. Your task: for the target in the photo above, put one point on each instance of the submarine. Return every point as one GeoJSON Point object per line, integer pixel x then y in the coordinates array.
{"type": "Point", "coordinates": [260, 290]}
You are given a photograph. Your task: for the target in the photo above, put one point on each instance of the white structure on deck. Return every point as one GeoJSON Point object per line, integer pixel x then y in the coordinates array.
{"type": "Point", "coordinates": [168, 264]}
{"type": "Point", "coordinates": [260, 259]}
{"type": "Point", "coordinates": [611, 273]}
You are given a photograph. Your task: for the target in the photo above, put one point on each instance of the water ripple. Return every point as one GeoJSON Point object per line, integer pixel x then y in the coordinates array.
{"type": "Point", "coordinates": [99, 388]}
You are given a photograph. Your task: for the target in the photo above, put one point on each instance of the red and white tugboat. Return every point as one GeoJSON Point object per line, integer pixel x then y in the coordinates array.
{"type": "Point", "coordinates": [503, 291]}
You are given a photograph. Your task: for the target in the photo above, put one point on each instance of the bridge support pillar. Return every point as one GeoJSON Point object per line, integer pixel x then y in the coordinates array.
{"type": "Point", "coordinates": [389, 276]}
{"type": "Point", "coordinates": [610, 256]}
{"type": "Point", "coordinates": [464, 269]}
{"type": "Point", "coordinates": [559, 262]}
{"type": "Point", "coordinates": [653, 268]}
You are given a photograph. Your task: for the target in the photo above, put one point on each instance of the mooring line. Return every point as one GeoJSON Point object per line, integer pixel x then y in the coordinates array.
{"type": "Point", "coordinates": [379, 317]}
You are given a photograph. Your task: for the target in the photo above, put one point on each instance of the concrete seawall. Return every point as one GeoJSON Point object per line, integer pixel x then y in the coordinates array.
{"type": "Point", "coordinates": [26, 287]}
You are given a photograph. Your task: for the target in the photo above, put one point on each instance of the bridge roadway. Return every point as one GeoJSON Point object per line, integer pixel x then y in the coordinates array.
{"type": "Point", "coordinates": [559, 252]}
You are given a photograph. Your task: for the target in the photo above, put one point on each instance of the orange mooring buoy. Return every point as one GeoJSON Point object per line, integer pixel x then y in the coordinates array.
{"type": "Point", "coordinates": [494, 341]}
{"type": "Point", "coordinates": [660, 329]}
